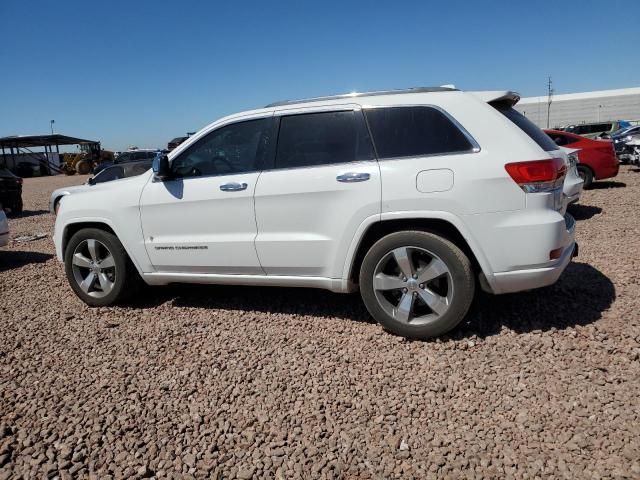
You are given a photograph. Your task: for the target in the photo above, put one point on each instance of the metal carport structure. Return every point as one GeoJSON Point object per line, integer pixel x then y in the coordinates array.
{"type": "Point", "coordinates": [16, 143]}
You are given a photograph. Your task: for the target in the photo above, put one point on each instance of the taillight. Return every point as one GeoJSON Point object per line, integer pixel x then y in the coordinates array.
{"type": "Point", "coordinates": [537, 176]}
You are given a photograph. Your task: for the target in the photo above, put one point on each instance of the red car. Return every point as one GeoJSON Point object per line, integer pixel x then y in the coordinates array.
{"type": "Point", "coordinates": [597, 158]}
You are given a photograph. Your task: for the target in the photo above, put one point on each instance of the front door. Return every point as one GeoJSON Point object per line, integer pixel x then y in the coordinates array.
{"type": "Point", "coordinates": [202, 220]}
{"type": "Point", "coordinates": [324, 184]}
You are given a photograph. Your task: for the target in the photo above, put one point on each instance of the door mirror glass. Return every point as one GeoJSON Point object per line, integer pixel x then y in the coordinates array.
{"type": "Point", "coordinates": [160, 167]}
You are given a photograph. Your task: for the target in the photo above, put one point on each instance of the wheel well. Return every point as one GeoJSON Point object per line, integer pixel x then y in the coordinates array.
{"type": "Point", "coordinates": [436, 226]}
{"type": "Point", "coordinates": [71, 230]}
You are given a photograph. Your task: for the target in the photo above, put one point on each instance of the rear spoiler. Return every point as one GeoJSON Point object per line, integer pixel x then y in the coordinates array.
{"type": "Point", "coordinates": [503, 98]}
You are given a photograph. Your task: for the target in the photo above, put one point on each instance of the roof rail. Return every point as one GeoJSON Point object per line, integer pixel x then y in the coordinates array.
{"type": "Point", "coordinates": [364, 94]}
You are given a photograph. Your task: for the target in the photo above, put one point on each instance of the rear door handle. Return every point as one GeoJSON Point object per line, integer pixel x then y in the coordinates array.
{"type": "Point", "coordinates": [233, 187]}
{"type": "Point", "coordinates": [352, 177]}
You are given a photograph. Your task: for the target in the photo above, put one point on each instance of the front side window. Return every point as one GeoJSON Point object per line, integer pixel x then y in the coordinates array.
{"type": "Point", "coordinates": [236, 148]}
{"type": "Point", "coordinates": [414, 132]}
{"type": "Point", "coordinates": [324, 138]}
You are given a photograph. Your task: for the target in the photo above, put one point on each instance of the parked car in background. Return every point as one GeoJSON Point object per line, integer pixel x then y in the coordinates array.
{"type": "Point", "coordinates": [413, 197]}
{"type": "Point", "coordinates": [10, 191]}
{"type": "Point", "coordinates": [597, 159]}
{"type": "Point", "coordinates": [596, 130]}
{"type": "Point", "coordinates": [573, 182]}
{"type": "Point", "coordinates": [114, 172]}
{"type": "Point", "coordinates": [621, 140]}
{"type": "Point", "coordinates": [4, 228]}
{"type": "Point", "coordinates": [137, 155]}
{"type": "Point", "coordinates": [634, 150]}
{"type": "Point", "coordinates": [28, 169]}
{"type": "Point", "coordinates": [173, 143]}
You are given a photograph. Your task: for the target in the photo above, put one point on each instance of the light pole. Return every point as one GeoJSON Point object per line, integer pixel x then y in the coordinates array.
{"type": "Point", "coordinates": [51, 124]}
{"type": "Point", "coordinates": [549, 98]}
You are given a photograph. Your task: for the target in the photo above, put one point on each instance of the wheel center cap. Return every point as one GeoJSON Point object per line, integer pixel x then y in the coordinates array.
{"type": "Point", "coordinates": [95, 269]}
{"type": "Point", "coordinates": [412, 284]}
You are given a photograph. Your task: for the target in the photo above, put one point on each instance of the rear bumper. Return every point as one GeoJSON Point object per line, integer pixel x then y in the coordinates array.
{"type": "Point", "coordinates": [607, 172]}
{"type": "Point", "coordinates": [537, 277]}
{"type": "Point", "coordinates": [519, 280]}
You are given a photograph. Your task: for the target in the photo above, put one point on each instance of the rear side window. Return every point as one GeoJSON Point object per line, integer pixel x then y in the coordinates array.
{"type": "Point", "coordinates": [324, 138]}
{"type": "Point", "coordinates": [414, 132]}
{"type": "Point", "coordinates": [528, 127]}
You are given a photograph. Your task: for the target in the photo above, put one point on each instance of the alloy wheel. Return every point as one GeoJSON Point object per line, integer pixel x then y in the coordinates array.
{"type": "Point", "coordinates": [413, 285]}
{"type": "Point", "coordinates": [94, 268]}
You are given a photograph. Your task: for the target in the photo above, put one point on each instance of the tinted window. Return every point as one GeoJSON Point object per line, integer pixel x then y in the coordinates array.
{"type": "Point", "coordinates": [235, 148]}
{"type": "Point", "coordinates": [322, 139]}
{"type": "Point", "coordinates": [528, 127]}
{"type": "Point", "coordinates": [562, 140]}
{"type": "Point", "coordinates": [109, 174]}
{"type": "Point", "coordinates": [414, 131]}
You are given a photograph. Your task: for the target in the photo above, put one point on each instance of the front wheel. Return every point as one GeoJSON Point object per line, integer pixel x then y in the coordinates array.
{"type": "Point", "coordinates": [417, 284]}
{"type": "Point", "coordinates": [98, 268]}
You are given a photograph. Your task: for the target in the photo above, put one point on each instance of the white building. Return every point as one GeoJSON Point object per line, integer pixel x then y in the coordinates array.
{"type": "Point", "coordinates": [588, 107]}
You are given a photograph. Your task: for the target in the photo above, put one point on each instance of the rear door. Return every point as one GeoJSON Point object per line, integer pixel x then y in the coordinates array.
{"type": "Point", "coordinates": [325, 182]}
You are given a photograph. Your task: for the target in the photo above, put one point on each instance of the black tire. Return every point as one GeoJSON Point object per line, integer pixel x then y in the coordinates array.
{"type": "Point", "coordinates": [126, 279]}
{"type": "Point", "coordinates": [586, 174]}
{"type": "Point", "coordinates": [16, 208]}
{"type": "Point", "coordinates": [83, 167]}
{"type": "Point", "coordinates": [460, 275]}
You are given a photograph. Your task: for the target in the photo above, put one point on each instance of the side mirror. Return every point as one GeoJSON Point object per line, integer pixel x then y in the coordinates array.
{"type": "Point", "coordinates": [160, 166]}
{"type": "Point", "coordinates": [91, 181]}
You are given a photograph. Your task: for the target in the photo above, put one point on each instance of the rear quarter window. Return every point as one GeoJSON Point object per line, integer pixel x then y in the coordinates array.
{"type": "Point", "coordinates": [528, 127]}
{"type": "Point", "coordinates": [415, 131]}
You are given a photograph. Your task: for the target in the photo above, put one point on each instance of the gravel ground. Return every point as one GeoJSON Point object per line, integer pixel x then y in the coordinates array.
{"type": "Point", "coordinates": [239, 382]}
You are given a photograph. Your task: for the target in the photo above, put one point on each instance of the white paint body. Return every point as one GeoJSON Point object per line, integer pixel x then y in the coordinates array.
{"type": "Point", "coordinates": [300, 227]}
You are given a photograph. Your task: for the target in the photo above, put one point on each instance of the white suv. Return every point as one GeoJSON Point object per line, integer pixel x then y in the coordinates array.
{"type": "Point", "coordinates": [411, 196]}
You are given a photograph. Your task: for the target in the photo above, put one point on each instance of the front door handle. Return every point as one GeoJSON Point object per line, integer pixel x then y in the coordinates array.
{"type": "Point", "coordinates": [233, 187]}
{"type": "Point", "coordinates": [352, 177]}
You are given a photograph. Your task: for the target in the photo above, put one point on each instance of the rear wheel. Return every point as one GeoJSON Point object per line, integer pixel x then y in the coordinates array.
{"type": "Point", "coordinates": [417, 284]}
{"type": "Point", "coordinates": [98, 268]}
{"type": "Point", "coordinates": [586, 175]}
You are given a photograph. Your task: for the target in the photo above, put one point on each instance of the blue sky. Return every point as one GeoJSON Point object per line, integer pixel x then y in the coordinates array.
{"type": "Point", "coordinates": [142, 72]}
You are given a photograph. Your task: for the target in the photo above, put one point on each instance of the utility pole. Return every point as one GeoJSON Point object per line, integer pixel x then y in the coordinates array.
{"type": "Point", "coordinates": [549, 98]}
{"type": "Point", "coordinates": [51, 124]}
